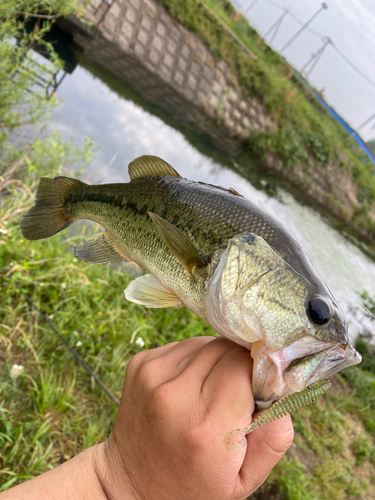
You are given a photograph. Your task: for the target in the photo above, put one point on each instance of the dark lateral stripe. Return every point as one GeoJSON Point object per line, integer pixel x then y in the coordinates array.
{"type": "Point", "coordinates": [107, 199]}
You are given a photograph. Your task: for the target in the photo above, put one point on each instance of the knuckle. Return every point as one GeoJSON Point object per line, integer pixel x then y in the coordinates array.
{"type": "Point", "coordinates": [161, 405]}
{"type": "Point", "coordinates": [162, 398]}
{"type": "Point", "coordinates": [146, 372]}
{"type": "Point", "coordinates": [135, 362]}
{"type": "Point", "coordinates": [198, 431]}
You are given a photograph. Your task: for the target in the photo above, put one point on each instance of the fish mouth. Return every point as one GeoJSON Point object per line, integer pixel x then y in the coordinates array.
{"type": "Point", "coordinates": [304, 362]}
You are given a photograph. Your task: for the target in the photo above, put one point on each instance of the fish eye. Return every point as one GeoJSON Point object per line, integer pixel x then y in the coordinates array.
{"type": "Point", "coordinates": [318, 311]}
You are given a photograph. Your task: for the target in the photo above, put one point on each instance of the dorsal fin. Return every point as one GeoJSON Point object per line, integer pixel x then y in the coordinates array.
{"type": "Point", "coordinates": [146, 165]}
{"type": "Point", "coordinates": [236, 193]}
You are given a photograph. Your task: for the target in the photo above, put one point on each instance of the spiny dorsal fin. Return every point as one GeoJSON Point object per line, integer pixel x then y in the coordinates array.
{"type": "Point", "coordinates": [146, 165]}
{"type": "Point", "coordinates": [148, 291]}
{"type": "Point", "coordinates": [178, 243]}
{"type": "Point", "coordinates": [233, 191]}
{"type": "Point", "coordinates": [99, 249]}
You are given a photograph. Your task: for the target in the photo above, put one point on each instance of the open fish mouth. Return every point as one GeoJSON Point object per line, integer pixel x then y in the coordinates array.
{"type": "Point", "coordinates": [304, 362]}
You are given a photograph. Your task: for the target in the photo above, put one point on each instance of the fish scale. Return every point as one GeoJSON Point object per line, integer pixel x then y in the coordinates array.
{"type": "Point", "coordinates": [209, 216]}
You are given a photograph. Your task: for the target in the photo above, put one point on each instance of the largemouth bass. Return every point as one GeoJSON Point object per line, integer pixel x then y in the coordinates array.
{"type": "Point", "coordinates": [218, 254]}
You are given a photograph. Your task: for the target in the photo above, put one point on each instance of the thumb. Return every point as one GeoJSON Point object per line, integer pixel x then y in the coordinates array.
{"type": "Point", "coordinates": [265, 447]}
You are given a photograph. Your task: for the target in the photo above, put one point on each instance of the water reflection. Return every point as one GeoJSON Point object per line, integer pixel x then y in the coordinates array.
{"type": "Point", "coordinates": [125, 129]}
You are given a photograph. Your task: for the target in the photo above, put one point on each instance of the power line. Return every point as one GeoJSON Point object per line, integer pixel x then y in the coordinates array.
{"type": "Point", "coordinates": [315, 33]}
{"type": "Point", "coordinates": [315, 58]}
{"type": "Point", "coordinates": [282, 7]}
{"type": "Point", "coordinates": [353, 66]}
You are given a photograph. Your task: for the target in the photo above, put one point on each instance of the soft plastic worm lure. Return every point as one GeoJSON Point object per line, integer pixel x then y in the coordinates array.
{"type": "Point", "coordinates": [236, 439]}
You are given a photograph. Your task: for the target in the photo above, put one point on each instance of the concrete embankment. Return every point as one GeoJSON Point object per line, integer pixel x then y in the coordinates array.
{"type": "Point", "coordinates": [141, 44]}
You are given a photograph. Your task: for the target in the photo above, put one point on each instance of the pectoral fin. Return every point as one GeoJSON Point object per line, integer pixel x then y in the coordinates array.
{"type": "Point", "coordinates": [148, 291]}
{"type": "Point", "coordinates": [178, 243]}
{"type": "Point", "coordinates": [99, 249]}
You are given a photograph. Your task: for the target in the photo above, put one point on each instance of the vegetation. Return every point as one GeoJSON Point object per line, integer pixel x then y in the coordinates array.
{"type": "Point", "coordinates": [46, 397]}
{"type": "Point", "coordinates": [312, 148]}
{"type": "Point", "coordinates": [24, 77]}
{"type": "Point", "coordinates": [242, 162]}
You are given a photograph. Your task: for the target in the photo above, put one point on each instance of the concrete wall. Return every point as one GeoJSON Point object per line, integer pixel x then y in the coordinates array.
{"type": "Point", "coordinates": [141, 44]}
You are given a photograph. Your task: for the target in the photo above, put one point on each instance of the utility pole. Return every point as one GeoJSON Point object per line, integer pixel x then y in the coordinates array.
{"type": "Point", "coordinates": [315, 57]}
{"type": "Point", "coordinates": [249, 7]}
{"type": "Point", "coordinates": [275, 27]}
{"type": "Point", "coordinates": [323, 7]}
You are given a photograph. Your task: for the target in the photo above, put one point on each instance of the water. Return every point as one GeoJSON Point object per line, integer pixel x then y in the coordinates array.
{"type": "Point", "coordinates": [125, 130]}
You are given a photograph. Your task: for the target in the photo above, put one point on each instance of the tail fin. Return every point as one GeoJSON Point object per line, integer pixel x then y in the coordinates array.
{"type": "Point", "coordinates": [49, 215]}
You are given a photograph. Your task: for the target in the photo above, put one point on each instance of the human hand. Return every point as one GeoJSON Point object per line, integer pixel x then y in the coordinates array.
{"type": "Point", "coordinates": [179, 403]}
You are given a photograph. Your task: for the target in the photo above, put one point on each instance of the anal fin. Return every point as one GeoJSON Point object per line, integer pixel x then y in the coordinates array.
{"type": "Point", "coordinates": [99, 249]}
{"type": "Point", "coordinates": [148, 291]}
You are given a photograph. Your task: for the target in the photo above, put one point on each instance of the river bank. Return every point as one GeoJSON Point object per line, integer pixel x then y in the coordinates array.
{"type": "Point", "coordinates": [250, 97]}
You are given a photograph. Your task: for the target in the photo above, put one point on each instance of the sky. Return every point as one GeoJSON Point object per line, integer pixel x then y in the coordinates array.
{"type": "Point", "coordinates": [351, 26]}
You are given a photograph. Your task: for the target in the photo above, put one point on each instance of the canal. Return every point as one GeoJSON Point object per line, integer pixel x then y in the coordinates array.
{"type": "Point", "coordinates": [124, 126]}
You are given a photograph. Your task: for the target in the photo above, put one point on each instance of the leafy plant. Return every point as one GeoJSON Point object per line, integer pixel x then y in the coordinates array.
{"type": "Point", "coordinates": [24, 76]}
{"type": "Point", "coordinates": [362, 449]}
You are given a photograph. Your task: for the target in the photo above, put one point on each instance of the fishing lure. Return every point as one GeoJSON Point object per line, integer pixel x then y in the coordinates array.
{"type": "Point", "coordinates": [236, 439]}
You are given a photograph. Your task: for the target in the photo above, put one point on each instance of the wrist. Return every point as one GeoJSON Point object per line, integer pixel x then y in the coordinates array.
{"type": "Point", "coordinates": [76, 478]}
{"type": "Point", "coordinates": [111, 474]}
